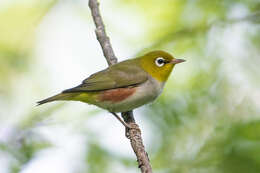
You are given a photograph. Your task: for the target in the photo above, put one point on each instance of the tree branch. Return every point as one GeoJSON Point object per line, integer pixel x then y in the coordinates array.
{"type": "Point", "coordinates": [135, 137]}
{"type": "Point", "coordinates": [133, 134]}
{"type": "Point", "coordinates": [101, 33]}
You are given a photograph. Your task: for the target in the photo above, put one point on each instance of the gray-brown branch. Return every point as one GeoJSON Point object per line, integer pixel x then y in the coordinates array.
{"type": "Point", "coordinates": [133, 134]}
{"type": "Point", "coordinates": [101, 33]}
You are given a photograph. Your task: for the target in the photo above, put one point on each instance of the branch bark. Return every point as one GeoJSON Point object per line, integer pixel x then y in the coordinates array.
{"type": "Point", "coordinates": [133, 134]}
{"type": "Point", "coordinates": [102, 37]}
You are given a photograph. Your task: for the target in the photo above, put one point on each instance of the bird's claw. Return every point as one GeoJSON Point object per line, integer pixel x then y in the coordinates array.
{"type": "Point", "coordinates": [129, 127]}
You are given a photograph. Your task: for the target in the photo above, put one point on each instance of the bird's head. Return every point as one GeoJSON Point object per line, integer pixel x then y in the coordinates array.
{"type": "Point", "coordinates": [159, 64]}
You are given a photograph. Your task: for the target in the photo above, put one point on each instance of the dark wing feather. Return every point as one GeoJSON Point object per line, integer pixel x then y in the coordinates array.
{"type": "Point", "coordinates": [120, 75]}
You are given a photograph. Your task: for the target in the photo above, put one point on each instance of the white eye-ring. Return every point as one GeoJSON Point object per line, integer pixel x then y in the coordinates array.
{"type": "Point", "coordinates": [160, 61]}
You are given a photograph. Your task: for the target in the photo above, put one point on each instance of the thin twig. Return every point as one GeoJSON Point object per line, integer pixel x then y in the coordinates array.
{"type": "Point", "coordinates": [101, 33]}
{"type": "Point", "coordinates": [133, 133]}
{"type": "Point", "coordinates": [135, 137]}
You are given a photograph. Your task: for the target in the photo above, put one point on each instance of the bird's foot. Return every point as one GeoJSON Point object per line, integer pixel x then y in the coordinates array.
{"type": "Point", "coordinates": [132, 129]}
{"type": "Point", "coordinates": [128, 126]}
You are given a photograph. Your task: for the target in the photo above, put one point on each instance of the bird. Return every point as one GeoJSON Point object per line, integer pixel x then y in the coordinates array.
{"type": "Point", "coordinates": [123, 86]}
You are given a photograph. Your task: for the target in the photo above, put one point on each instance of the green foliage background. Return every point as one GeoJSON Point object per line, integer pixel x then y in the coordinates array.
{"type": "Point", "coordinates": [206, 120]}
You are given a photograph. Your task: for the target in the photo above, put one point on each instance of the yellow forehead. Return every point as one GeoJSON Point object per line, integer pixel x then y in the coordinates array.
{"type": "Point", "coordinates": [160, 73]}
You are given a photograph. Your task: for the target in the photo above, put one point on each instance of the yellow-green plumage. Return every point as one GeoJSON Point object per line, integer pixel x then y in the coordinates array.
{"type": "Point", "coordinates": [123, 86]}
{"type": "Point", "coordinates": [161, 74]}
{"type": "Point", "coordinates": [90, 98]}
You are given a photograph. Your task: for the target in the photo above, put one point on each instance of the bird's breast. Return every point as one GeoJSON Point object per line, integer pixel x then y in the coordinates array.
{"type": "Point", "coordinates": [125, 99]}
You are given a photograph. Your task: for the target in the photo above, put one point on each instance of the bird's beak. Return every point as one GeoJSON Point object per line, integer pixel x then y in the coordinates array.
{"type": "Point", "coordinates": [177, 61]}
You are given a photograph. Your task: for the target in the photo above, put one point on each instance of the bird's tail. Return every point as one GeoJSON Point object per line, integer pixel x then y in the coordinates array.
{"type": "Point", "coordinates": [61, 96]}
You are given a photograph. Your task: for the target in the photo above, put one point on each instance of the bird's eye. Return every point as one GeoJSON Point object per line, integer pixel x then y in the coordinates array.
{"type": "Point", "coordinates": [160, 61]}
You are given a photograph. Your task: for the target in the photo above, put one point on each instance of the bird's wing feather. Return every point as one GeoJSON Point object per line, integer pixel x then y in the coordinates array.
{"type": "Point", "coordinates": [120, 75]}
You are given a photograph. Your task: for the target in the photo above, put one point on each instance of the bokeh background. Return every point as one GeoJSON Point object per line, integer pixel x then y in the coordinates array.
{"type": "Point", "coordinates": [207, 120]}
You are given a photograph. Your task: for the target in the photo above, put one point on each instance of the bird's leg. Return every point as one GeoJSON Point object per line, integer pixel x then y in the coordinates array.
{"type": "Point", "coordinates": [121, 121]}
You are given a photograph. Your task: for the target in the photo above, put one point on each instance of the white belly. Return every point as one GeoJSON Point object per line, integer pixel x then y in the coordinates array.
{"type": "Point", "coordinates": [145, 93]}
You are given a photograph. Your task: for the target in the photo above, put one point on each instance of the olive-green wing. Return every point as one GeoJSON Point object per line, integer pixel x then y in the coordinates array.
{"type": "Point", "coordinates": [124, 74]}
